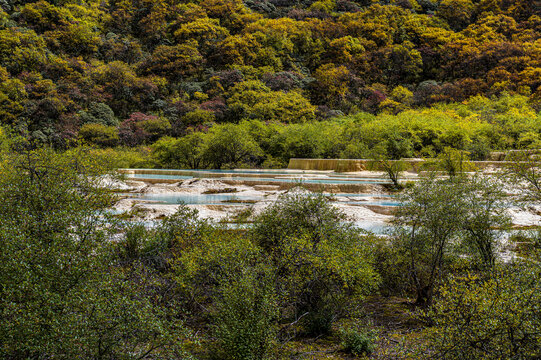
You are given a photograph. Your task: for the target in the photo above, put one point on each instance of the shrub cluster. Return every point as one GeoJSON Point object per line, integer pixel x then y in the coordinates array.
{"type": "Point", "coordinates": [475, 127]}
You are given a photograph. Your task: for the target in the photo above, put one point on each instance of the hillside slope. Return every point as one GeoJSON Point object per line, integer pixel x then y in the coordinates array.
{"type": "Point", "coordinates": [147, 68]}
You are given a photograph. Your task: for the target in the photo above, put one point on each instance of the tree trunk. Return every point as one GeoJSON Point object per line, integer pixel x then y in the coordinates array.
{"type": "Point", "coordinates": [424, 296]}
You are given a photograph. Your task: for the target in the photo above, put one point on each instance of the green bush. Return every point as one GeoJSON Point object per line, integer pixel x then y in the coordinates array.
{"type": "Point", "coordinates": [98, 113]}
{"type": "Point", "coordinates": [202, 256]}
{"type": "Point", "coordinates": [64, 294]}
{"type": "Point", "coordinates": [273, 163]}
{"type": "Point", "coordinates": [358, 342]}
{"type": "Point", "coordinates": [245, 320]}
{"type": "Point", "coordinates": [322, 261]}
{"type": "Point", "coordinates": [229, 145]}
{"type": "Point", "coordinates": [165, 152]}
{"type": "Point", "coordinates": [199, 117]}
{"type": "Point", "coordinates": [135, 237]}
{"type": "Point", "coordinates": [222, 278]}
{"type": "Point", "coordinates": [176, 234]}
{"type": "Point", "coordinates": [487, 317]}
{"type": "Point", "coordinates": [310, 140]}
{"type": "Point", "coordinates": [119, 157]}
{"type": "Point", "coordinates": [393, 268]}
{"type": "Point", "coordinates": [99, 134]}
{"type": "Point", "coordinates": [155, 127]}
{"type": "Point", "coordinates": [186, 152]}
{"type": "Point", "coordinates": [450, 217]}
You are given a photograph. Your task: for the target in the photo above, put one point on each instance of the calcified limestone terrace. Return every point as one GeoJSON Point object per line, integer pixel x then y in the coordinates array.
{"type": "Point", "coordinates": [220, 201]}
{"type": "Point", "coordinates": [149, 195]}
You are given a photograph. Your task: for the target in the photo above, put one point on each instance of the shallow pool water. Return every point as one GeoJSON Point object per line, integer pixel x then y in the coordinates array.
{"type": "Point", "coordinates": [313, 180]}
{"type": "Point", "coordinates": [300, 180]}
{"type": "Point", "coordinates": [374, 202]}
{"type": "Point", "coordinates": [236, 171]}
{"type": "Point", "coordinates": [157, 176]}
{"type": "Point", "coordinates": [253, 177]}
{"type": "Point", "coordinates": [377, 228]}
{"type": "Point", "coordinates": [198, 199]}
{"type": "Point", "coordinates": [359, 195]}
{"type": "Point", "coordinates": [234, 198]}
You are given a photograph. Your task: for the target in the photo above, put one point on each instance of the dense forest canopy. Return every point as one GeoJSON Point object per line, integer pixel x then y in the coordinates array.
{"type": "Point", "coordinates": [127, 72]}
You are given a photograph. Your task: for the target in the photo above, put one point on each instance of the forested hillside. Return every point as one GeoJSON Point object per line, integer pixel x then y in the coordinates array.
{"type": "Point", "coordinates": [127, 72]}
{"type": "Point", "coordinates": [432, 258]}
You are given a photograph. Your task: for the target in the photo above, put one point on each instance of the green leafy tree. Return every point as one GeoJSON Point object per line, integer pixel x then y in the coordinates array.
{"type": "Point", "coordinates": [456, 12]}
{"type": "Point", "coordinates": [63, 294]}
{"type": "Point", "coordinates": [486, 206]}
{"type": "Point", "coordinates": [310, 140]}
{"type": "Point", "coordinates": [454, 162]}
{"type": "Point", "coordinates": [230, 145]}
{"type": "Point", "coordinates": [393, 168]}
{"type": "Point", "coordinates": [99, 134]}
{"type": "Point", "coordinates": [186, 152]}
{"type": "Point", "coordinates": [438, 215]}
{"type": "Point", "coordinates": [99, 113]}
{"type": "Point", "coordinates": [490, 317]}
{"type": "Point", "coordinates": [322, 262]}
{"type": "Point", "coordinates": [207, 32]}
{"type": "Point", "coordinates": [427, 222]}
{"type": "Point", "coordinates": [199, 117]}
{"type": "Point", "coordinates": [12, 95]}
{"type": "Point", "coordinates": [21, 50]}
{"type": "Point", "coordinates": [253, 100]}
{"type": "Point", "coordinates": [523, 169]}
{"type": "Point", "coordinates": [174, 62]}
{"type": "Point", "coordinates": [155, 126]}
{"type": "Point", "coordinates": [332, 85]}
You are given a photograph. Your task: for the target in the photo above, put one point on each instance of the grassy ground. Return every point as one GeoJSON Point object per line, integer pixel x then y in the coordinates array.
{"type": "Point", "coordinates": [398, 331]}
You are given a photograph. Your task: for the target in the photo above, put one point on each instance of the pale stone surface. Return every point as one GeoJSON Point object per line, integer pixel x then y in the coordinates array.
{"type": "Point", "coordinates": [149, 210]}
{"type": "Point", "coordinates": [374, 214]}
{"type": "Point", "coordinates": [521, 217]}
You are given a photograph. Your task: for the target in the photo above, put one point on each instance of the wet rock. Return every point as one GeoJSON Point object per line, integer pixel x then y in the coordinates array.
{"type": "Point", "coordinates": [220, 191]}
{"type": "Point", "coordinates": [381, 209]}
{"type": "Point", "coordinates": [267, 187]}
